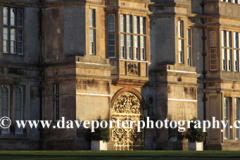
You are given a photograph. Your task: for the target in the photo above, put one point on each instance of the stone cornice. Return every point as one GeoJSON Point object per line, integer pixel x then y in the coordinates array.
{"type": "Point", "coordinates": [172, 73]}
{"type": "Point", "coordinates": [170, 5]}
{"type": "Point", "coordinates": [128, 9]}
{"type": "Point", "coordinates": [164, 14]}
{"type": "Point", "coordinates": [217, 80]}
{"type": "Point", "coordinates": [78, 76]}
{"type": "Point", "coordinates": [159, 83]}
{"type": "Point", "coordinates": [64, 3]}
{"type": "Point", "coordinates": [19, 4]}
{"type": "Point", "coordinates": [140, 1]}
{"type": "Point", "coordinates": [23, 66]}
{"type": "Point", "coordinates": [94, 66]}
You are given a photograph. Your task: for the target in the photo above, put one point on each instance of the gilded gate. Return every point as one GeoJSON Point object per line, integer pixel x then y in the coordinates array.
{"type": "Point", "coordinates": [127, 107]}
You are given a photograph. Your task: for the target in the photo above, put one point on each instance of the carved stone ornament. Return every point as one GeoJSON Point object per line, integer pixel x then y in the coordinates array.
{"type": "Point", "coordinates": [127, 107]}
{"type": "Point", "coordinates": [133, 68]}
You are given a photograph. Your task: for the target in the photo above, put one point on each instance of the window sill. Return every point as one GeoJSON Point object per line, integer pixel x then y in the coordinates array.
{"type": "Point", "coordinates": [231, 71]}
{"type": "Point", "coordinates": [14, 137]}
{"type": "Point", "coordinates": [20, 54]}
{"type": "Point", "coordinates": [136, 60]}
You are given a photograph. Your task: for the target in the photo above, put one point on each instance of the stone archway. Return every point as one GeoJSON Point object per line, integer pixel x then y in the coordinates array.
{"type": "Point", "coordinates": [127, 106]}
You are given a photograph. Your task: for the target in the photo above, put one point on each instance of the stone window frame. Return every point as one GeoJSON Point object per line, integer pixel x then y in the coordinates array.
{"type": "Point", "coordinates": [180, 27]}
{"type": "Point", "coordinates": [129, 25]}
{"type": "Point", "coordinates": [142, 25]}
{"type": "Point", "coordinates": [143, 49]}
{"type": "Point", "coordinates": [129, 46]}
{"type": "Point", "coordinates": [236, 51]}
{"type": "Point", "coordinates": [112, 33]}
{"type": "Point", "coordinates": [12, 106]}
{"type": "Point", "coordinates": [231, 1]}
{"type": "Point", "coordinates": [92, 28]}
{"type": "Point", "coordinates": [227, 116]}
{"type": "Point", "coordinates": [189, 46]}
{"type": "Point", "coordinates": [129, 32]}
{"type": "Point", "coordinates": [230, 50]}
{"type": "Point", "coordinates": [113, 23]}
{"type": "Point", "coordinates": [136, 47]}
{"type": "Point", "coordinates": [213, 49]}
{"type": "Point", "coordinates": [22, 107]}
{"type": "Point", "coordinates": [56, 101]}
{"type": "Point", "coordinates": [227, 49]}
{"type": "Point", "coordinates": [112, 43]}
{"type": "Point", "coordinates": [123, 45]}
{"type": "Point", "coordinates": [237, 117]}
{"type": "Point", "coordinates": [9, 106]}
{"type": "Point", "coordinates": [122, 23]}
{"type": "Point", "coordinates": [19, 30]}
{"type": "Point", "coordinates": [136, 24]}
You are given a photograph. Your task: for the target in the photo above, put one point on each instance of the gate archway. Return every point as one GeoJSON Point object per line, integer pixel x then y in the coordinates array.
{"type": "Point", "coordinates": [127, 106]}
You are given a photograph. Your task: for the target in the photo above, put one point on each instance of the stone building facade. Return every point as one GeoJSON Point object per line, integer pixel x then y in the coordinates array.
{"type": "Point", "coordinates": [134, 59]}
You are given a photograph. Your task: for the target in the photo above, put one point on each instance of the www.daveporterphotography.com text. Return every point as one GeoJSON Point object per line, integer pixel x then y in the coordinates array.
{"type": "Point", "coordinates": [182, 125]}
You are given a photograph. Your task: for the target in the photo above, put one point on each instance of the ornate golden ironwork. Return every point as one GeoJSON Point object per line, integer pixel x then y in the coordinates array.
{"type": "Point", "coordinates": [127, 107]}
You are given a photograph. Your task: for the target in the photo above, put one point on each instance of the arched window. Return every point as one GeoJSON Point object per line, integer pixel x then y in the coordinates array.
{"type": "Point", "coordinates": [20, 17]}
{"type": "Point", "coordinates": [227, 117]}
{"type": "Point", "coordinates": [5, 105]}
{"type": "Point", "coordinates": [18, 108]}
{"type": "Point", "coordinates": [111, 22]}
{"type": "Point", "coordinates": [5, 101]}
{"type": "Point", "coordinates": [237, 116]}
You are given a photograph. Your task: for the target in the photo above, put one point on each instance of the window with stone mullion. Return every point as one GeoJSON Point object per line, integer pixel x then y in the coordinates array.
{"type": "Point", "coordinates": [5, 112]}
{"type": "Point", "coordinates": [12, 30]}
{"type": "Point", "coordinates": [180, 42]}
{"type": "Point", "coordinates": [18, 108]}
{"type": "Point", "coordinates": [132, 40]}
{"type": "Point", "coordinates": [92, 32]}
{"type": "Point", "coordinates": [231, 1]}
{"type": "Point", "coordinates": [111, 36]}
{"type": "Point", "coordinates": [213, 50]}
{"type": "Point", "coordinates": [227, 50]}
{"type": "Point", "coordinates": [236, 47]}
{"type": "Point", "coordinates": [237, 117]}
{"type": "Point", "coordinates": [227, 117]}
{"type": "Point", "coordinates": [56, 101]}
{"type": "Point", "coordinates": [189, 46]}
